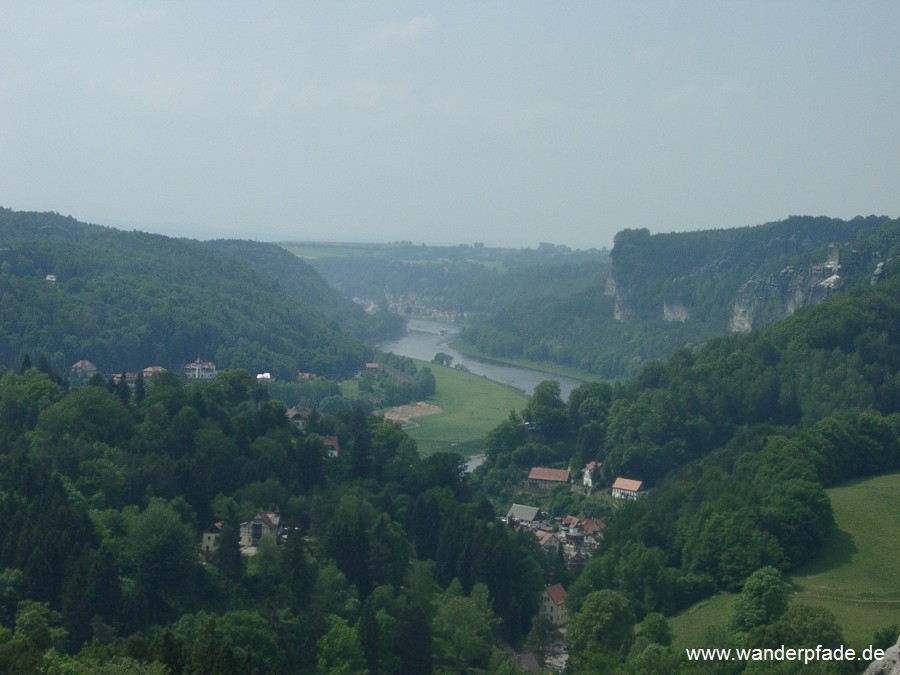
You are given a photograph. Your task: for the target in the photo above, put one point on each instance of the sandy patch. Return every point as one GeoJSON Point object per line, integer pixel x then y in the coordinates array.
{"type": "Point", "coordinates": [404, 413]}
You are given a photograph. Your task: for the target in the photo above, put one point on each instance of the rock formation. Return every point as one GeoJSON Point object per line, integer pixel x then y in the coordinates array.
{"type": "Point", "coordinates": [889, 665]}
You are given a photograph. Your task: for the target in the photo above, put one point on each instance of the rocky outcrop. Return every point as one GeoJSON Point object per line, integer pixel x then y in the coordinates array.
{"type": "Point", "coordinates": [675, 312]}
{"type": "Point", "coordinates": [889, 665]}
{"type": "Point", "coordinates": [621, 310]}
{"type": "Point", "coordinates": [742, 279]}
{"type": "Point", "coordinates": [764, 298]}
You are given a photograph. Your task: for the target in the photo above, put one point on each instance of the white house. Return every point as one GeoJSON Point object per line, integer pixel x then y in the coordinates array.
{"type": "Point", "coordinates": [587, 477]}
{"type": "Point", "coordinates": [553, 601]}
{"type": "Point", "coordinates": [626, 488]}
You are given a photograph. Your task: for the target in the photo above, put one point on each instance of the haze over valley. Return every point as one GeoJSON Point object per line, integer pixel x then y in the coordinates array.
{"type": "Point", "coordinates": [449, 337]}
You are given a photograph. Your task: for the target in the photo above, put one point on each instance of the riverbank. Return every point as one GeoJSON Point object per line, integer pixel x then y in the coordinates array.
{"type": "Point", "coordinates": [540, 366]}
{"type": "Point", "coordinates": [426, 338]}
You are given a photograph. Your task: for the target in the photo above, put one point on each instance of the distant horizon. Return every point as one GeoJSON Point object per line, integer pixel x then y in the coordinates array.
{"type": "Point", "coordinates": [510, 123]}
{"type": "Point", "coordinates": [184, 231]}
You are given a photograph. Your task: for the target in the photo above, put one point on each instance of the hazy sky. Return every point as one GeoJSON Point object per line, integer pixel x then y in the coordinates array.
{"type": "Point", "coordinates": [510, 123]}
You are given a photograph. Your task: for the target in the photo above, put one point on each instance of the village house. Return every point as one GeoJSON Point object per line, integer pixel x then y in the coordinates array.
{"type": "Point", "coordinates": [200, 370]}
{"type": "Point", "coordinates": [130, 379]}
{"type": "Point", "coordinates": [592, 528]}
{"type": "Point", "coordinates": [553, 601]}
{"type": "Point", "coordinates": [150, 371]}
{"type": "Point", "coordinates": [263, 526]}
{"type": "Point", "coordinates": [209, 540]}
{"type": "Point", "coordinates": [587, 477]}
{"type": "Point", "coordinates": [298, 416]}
{"type": "Point", "coordinates": [544, 478]}
{"type": "Point", "coordinates": [548, 541]}
{"type": "Point", "coordinates": [332, 445]}
{"type": "Point", "coordinates": [571, 523]}
{"type": "Point", "coordinates": [529, 516]}
{"type": "Point", "coordinates": [626, 488]}
{"type": "Point", "coordinates": [83, 370]}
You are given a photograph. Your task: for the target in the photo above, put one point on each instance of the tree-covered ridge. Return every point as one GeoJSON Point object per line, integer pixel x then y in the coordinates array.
{"type": "Point", "coordinates": [299, 279]}
{"type": "Point", "coordinates": [679, 290]}
{"type": "Point", "coordinates": [460, 279]}
{"type": "Point", "coordinates": [738, 441]}
{"type": "Point", "coordinates": [126, 300]}
{"type": "Point", "coordinates": [703, 271]}
{"type": "Point", "coordinates": [388, 562]}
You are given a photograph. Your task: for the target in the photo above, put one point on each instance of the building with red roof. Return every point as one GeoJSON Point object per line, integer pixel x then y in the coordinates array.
{"type": "Point", "coordinates": [553, 602]}
{"type": "Point", "coordinates": [543, 477]}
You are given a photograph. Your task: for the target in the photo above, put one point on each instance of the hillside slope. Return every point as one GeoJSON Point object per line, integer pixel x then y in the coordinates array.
{"type": "Point", "coordinates": [669, 291]}
{"type": "Point", "coordinates": [301, 281]}
{"type": "Point", "coordinates": [126, 300]}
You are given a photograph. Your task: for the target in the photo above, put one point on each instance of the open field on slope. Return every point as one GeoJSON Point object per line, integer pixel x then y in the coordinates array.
{"type": "Point", "coordinates": [857, 575]}
{"type": "Point", "coordinates": [472, 405]}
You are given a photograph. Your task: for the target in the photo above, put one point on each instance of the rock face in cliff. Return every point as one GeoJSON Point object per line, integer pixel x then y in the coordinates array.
{"type": "Point", "coordinates": [889, 665]}
{"type": "Point", "coordinates": [737, 280]}
{"type": "Point", "coordinates": [765, 298]}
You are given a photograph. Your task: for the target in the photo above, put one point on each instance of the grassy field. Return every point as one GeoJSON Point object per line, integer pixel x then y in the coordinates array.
{"type": "Point", "coordinates": [691, 626]}
{"type": "Point", "coordinates": [857, 575]}
{"type": "Point", "coordinates": [472, 405]}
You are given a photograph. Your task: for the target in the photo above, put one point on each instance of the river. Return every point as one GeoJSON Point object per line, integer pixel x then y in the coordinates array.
{"type": "Point", "coordinates": [426, 338]}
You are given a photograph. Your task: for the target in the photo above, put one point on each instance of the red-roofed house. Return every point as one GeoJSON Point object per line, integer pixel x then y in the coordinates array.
{"type": "Point", "coordinates": [553, 601]}
{"type": "Point", "coordinates": [332, 446]}
{"type": "Point", "coordinates": [626, 488]}
{"type": "Point", "coordinates": [83, 369]}
{"type": "Point", "coordinates": [200, 370]}
{"type": "Point", "coordinates": [543, 477]}
{"type": "Point", "coordinates": [593, 530]}
{"type": "Point", "coordinates": [150, 371]}
{"type": "Point", "coordinates": [548, 540]}
{"type": "Point", "coordinates": [263, 526]}
{"type": "Point", "coordinates": [298, 416]}
{"type": "Point", "coordinates": [571, 523]}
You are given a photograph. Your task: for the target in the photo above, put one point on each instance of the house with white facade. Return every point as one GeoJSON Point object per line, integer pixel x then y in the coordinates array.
{"type": "Point", "coordinates": [553, 602]}
{"type": "Point", "coordinates": [626, 488]}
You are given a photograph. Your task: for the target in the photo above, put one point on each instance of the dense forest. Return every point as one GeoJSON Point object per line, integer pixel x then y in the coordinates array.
{"type": "Point", "coordinates": [300, 280]}
{"type": "Point", "coordinates": [463, 280]}
{"type": "Point", "coordinates": [668, 291]}
{"type": "Point", "coordinates": [738, 441]}
{"type": "Point", "coordinates": [387, 562]}
{"type": "Point", "coordinates": [128, 300]}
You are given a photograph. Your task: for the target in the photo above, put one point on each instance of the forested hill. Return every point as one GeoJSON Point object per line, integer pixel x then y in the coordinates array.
{"type": "Point", "coordinates": [300, 280]}
{"type": "Point", "coordinates": [740, 278]}
{"type": "Point", "coordinates": [669, 291]}
{"type": "Point", "coordinates": [127, 300]}
{"type": "Point", "coordinates": [737, 441]}
{"type": "Point", "coordinates": [453, 280]}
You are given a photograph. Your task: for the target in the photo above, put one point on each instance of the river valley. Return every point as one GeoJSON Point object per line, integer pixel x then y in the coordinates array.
{"type": "Point", "coordinates": [426, 338]}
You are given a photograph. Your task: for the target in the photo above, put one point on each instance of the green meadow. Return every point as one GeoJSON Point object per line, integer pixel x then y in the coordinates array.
{"type": "Point", "coordinates": [472, 405]}
{"type": "Point", "coordinates": [856, 576]}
